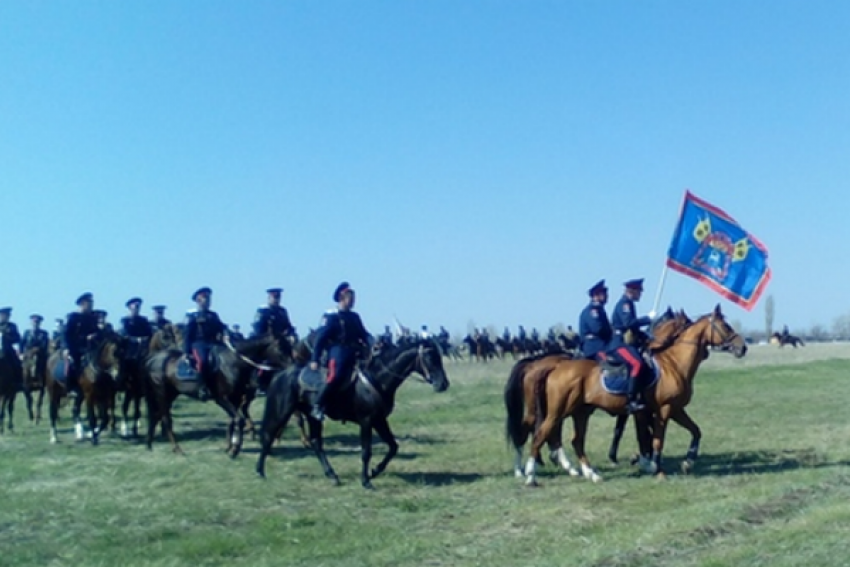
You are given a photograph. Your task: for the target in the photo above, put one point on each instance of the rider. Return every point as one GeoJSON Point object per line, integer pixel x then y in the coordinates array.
{"type": "Point", "coordinates": [627, 325]}
{"type": "Point", "coordinates": [10, 341]}
{"type": "Point", "coordinates": [102, 323]}
{"type": "Point", "coordinates": [159, 321]}
{"type": "Point", "coordinates": [35, 337]}
{"type": "Point", "coordinates": [593, 326]}
{"type": "Point", "coordinates": [272, 318]}
{"type": "Point", "coordinates": [521, 334]}
{"type": "Point", "coordinates": [80, 327]}
{"type": "Point", "coordinates": [506, 335]}
{"type": "Point", "coordinates": [387, 337]}
{"type": "Point", "coordinates": [137, 328]}
{"type": "Point", "coordinates": [342, 335]}
{"type": "Point", "coordinates": [203, 330]}
{"type": "Point", "coordinates": [236, 333]}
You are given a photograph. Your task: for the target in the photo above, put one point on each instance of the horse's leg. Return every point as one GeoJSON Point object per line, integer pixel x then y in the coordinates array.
{"type": "Point", "coordinates": [3, 399]}
{"type": "Point", "coordinates": [91, 414]}
{"type": "Point", "coordinates": [619, 429]}
{"type": "Point", "coordinates": [305, 439]}
{"type": "Point", "coordinates": [28, 399]}
{"type": "Point", "coordinates": [581, 418]}
{"type": "Point", "coordinates": [680, 416]}
{"type": "Point", "coordinates": [318, 446]}
{"type": "Point", "coordinates": [79, 432]}
{"type": "Point", "coordinates": [137, 413]}
{"type": "Point", "coordinates": [125, 408]}
{"type": "Point", "coordinates": [274, 422]}
{"type": "Point", "coordinates": [365, 452]}
{"type": "Point", "coordinates": [168, 425]}
{"type": "Point", "coordinates": [658, 431]}
{"type": "Point", "coordinates": [234, 428]}
{"type": "Point", "coordinates": [11, 409]}
{"type": "Point", "coordinates": [540, 436]}
{"type": "Point", "coordinates": [39, 404]}
{"type": "Point", "coordinates": [557, 454]}
{"type": "Point", "coordinates": [53, 410]}
{"type": "Point", "coordinates": [382, 428]}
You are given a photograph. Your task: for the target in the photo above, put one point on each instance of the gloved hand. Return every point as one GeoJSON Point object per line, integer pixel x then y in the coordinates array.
{"type": "Point", "coordinates": [652, 314]}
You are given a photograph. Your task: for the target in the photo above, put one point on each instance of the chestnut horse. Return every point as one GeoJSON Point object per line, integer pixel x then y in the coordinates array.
{"type": "Point", "coordinates": [520, 390]}
{"type": "Point", "coordinates": [572, 388]}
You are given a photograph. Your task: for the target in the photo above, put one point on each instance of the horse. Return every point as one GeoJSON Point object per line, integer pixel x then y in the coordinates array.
{"type": "Point", "coordinates": [11, 377]}
{"type": "Point", "coordinates": [166, 337]}
{"type": "Point", "coordinates": [368, 400]}
{"type": "Point", "coordinates": [132, 379]}
{"type": "Point", "coordinates": [34, 363]}
{"type": "Point", "coordinates": [98, 381]}
{"type": "Point", "coordinates": [100, 366]}
{"type": "Point", "coordinates": [783, 339]}
{"type": "Point", "coordinates": [231, 387]}
{"type": "Point", "coordinates": [574, 388]}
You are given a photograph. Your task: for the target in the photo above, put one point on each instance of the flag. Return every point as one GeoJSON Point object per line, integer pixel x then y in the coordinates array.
{"type": "Point", "coordinates": [711, 247]}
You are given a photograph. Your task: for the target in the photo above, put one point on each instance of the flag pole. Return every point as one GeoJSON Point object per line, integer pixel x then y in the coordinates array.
{"type": "Point", "coordinates": [661, 283]}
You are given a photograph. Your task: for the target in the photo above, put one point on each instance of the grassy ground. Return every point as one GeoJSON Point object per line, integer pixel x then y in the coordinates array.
{"type": "Point", "coordinates": [772, 487]}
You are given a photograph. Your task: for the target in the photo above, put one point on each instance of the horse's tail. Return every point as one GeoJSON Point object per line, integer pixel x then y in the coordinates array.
{"type": "Point", "coordinates": [515, 403]}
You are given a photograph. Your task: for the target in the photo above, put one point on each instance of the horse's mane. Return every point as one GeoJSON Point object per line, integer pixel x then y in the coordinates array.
{"type": "Point", "coordinates": [682, 321]}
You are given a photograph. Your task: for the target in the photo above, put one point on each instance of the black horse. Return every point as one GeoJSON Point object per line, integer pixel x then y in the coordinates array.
{"type": "Point", "coordinates": [368, 400]}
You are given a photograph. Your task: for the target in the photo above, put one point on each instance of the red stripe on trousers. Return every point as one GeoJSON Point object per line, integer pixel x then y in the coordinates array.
{"type": "Point", "coordinates": [331, 371]}
{"type": "Point", "coordinates": [630, 360]}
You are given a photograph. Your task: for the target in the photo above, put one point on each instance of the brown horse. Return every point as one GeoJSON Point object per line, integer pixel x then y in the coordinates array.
{"type": "Point", "coordinates": [100, 366]}
{"type": "Point", "coordinates": [526, 374]}
{"type": "Point", "coordinates": [231, 385]}
{"type": "Point", "coordinates": [34, 363]}
{"type": "Point", "coordinates": [132, 380]}
{"type": "Point", "coordinates": [573, 388]}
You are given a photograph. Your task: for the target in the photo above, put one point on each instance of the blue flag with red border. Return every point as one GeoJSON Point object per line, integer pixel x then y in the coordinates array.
{"type": "Point", "coordinates": [709, 246]}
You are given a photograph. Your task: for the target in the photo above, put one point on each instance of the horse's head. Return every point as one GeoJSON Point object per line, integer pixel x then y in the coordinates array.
{"type": "Point", "coordinates": [429, 363]}
{"type": "Point", "coordinates": [107, 352]}
{"type": "Point", "coordinates": [718, 333]}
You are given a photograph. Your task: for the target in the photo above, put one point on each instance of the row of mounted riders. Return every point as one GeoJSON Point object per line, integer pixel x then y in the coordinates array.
{"type": "Point", "coordinates": [148, 371]}
{"type": "Point", "coordinates": [542, 391]}
{"type": "Point", "coordinates": [481, 348]}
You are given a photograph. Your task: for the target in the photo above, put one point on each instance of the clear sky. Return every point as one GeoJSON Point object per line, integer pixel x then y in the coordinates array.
{"type": "Point", "coordinates": [455, 161]}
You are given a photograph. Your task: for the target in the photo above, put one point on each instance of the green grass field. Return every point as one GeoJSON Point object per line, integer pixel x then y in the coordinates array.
{"type": "Point", "coordinates": [772, 486]}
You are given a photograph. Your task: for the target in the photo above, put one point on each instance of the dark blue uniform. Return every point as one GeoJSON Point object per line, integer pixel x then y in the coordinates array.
{"type": "Point", "coordinates": [625, 319]}
{"type": "Point", "coordinates": [9, 336]}
{"type": "Point", "coordinates": [342, 335]}
{"type": "Point", "coordinates": [75, 339]}
{"type": "Point", "coordinates": [202, 330]}
{"type": "Point", "coordinates": [137, 328]}
{"type": "Point", "coordinates": [159, 323]}
{"type": "Point", "coordinates": [272, 319]}
{"type": "Point", "coordinates": [594, 330]}
{"type": "Point", "coordinates": [35, 340]}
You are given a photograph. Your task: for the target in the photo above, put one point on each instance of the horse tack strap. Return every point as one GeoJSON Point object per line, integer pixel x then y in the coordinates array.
{"type": "Point", "coordinates": [368, 383]}
{"type": "Point", "coordinates": [244, 358]}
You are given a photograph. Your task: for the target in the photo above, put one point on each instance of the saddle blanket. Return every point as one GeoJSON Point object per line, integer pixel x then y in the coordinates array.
{"type": "Point", "coordinates": [60, 372]}
{"type": "Point", "coordinates": [616, 380]}
{"type": "Point", "coordinates": [186, 372]}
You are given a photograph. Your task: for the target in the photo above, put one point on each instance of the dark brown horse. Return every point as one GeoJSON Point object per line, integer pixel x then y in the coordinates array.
{"type": "Point", "coordinates": [574, 389]}
{"type": "Point", "coordinates": [34, 363]}
{"type": "Point", "coordinates": [132, 380]}
{"type": "Point", "coordinates": [100, 366]}
{"type": "Point", "coordinates": [231, 385]}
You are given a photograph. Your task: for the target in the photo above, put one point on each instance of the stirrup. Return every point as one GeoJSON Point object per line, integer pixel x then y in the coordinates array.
{"type": "Point", "coordinates": [317, 413]}
{"type": "Point", "coordinates": [635, 406]}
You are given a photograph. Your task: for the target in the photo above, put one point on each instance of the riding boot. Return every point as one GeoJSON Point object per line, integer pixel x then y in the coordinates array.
{"type": "Point", "coordinates": [203, 391]}
{"type": "Point", "coordinates": [634, 402]}
{"type": "Point", "coordinates": [318, 411]}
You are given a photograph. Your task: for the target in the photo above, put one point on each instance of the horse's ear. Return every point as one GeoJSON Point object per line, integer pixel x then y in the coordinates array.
{"type": "Point", "coordinates": [717, 312]}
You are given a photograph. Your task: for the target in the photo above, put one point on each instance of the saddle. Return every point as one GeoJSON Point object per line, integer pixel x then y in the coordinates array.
{"type": "Point", "coordinates": [313, 380]}
{"type": "Point", "coordinates": [615, 378]}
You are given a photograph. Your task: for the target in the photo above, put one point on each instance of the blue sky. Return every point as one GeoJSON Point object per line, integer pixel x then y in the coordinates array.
{"type": "Point", "coordinates": [456, 162]}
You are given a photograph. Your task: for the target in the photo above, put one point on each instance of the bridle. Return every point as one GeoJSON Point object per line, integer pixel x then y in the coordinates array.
{"type": "Point", "coordinates": [418, 364]}
{"type": "Point", "coordinates": [726, 342]}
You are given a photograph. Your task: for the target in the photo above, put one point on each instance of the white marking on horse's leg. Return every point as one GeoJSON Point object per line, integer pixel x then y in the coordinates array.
{"type": "Point", "coordinates": [588, 472]}
{"type": "Point", "coordinates": [78, 431]}
{"type": "Point", "coordinates": [530, 467]}
{"type": "Point", "coordinates": [53, 437]}
{"type": "Point", "coordinates": [518, 464]}
{"type": "Point", "coordinates": [234, 439]}
{"type": "Point", "coordinates": [647, 465]}
{"type": "Point", "coordinates": [125, 428]}
{"type": "Point", "coordinates": [562, 460]}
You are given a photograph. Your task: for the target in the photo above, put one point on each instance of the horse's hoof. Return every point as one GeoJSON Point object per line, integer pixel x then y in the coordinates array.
{"type": "Point", "coordinates": [687, 466]}
{"type": "Point", "coordinates": [613, 458]}
{"type": "Point", "coordinates": [635, 459]}
{"type": "Point", "coordinates": [518, 473]}
{"type": "Point", "coordinates": [661, 476]}
{"type": "Point", "coordinates": [368, 485]}
{"type": "Point", "coordinates": [261, 474]}
{"type": "Point", "coordinates": [532, 483]}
